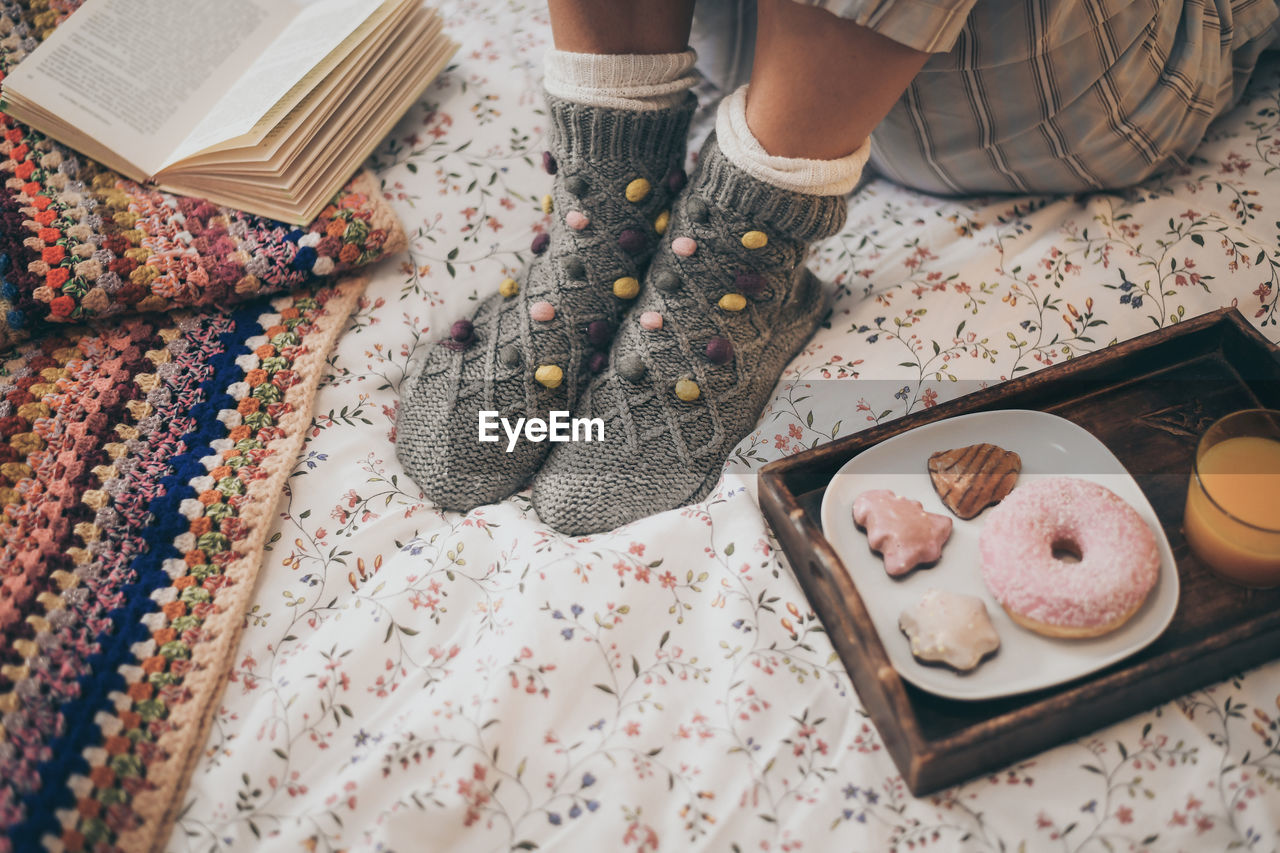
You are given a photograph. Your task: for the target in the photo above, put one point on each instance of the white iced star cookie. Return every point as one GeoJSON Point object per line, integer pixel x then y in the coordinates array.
{"type": "Point", "coordinates": [951, 628]}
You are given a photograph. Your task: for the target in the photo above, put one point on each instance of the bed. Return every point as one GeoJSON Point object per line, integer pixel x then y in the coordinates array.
{"type": "Point", "coordinates": [411, 679]}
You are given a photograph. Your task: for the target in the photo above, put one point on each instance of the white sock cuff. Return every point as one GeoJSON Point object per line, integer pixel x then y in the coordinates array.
{"type": "Point", "coordinates": [629, 81]}
{"type": "Point", "coordinates": [797, 174]}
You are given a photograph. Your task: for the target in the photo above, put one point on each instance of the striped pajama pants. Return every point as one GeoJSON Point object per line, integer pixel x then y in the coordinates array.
{"type": "Point", "coordinates": [1036, 95]}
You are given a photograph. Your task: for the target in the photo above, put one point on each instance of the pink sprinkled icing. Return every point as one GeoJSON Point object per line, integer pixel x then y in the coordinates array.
{"type": "Point", "coordinates": [1119, 559]}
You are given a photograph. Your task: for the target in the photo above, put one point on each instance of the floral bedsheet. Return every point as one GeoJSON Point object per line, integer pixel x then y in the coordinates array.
{"type": "Point", "coordinates": [415, 680]}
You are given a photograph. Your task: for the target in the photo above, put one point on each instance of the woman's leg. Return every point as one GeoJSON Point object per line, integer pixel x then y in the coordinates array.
{"type": "Point", "coordinates": [820, 83]}
{"type": "Point", "coordinates": [607, 26]}
{"type": "Point", "coordinates": [618, 110]}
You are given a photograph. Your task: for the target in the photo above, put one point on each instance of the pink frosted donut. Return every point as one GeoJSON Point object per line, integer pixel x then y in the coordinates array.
{"type": "Point", "coordinates": [1119, 560]}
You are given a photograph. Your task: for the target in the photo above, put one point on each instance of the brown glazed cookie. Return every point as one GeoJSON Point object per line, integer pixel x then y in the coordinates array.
{"type": "Point", "coordinates": [969, 479]}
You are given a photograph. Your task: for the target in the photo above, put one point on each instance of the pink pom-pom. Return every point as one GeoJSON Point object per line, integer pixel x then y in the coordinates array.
{"type": "Point", "coordinates": [684, 246]}
{"type": "Point", "coordinates": [542, 312]}
{"type": "Point", "coordinates": [576, 220]}
{"type": "Point", "coordinates": [651, 320]}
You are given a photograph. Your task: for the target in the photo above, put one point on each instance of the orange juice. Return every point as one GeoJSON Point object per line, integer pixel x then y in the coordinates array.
{"type": "Point", "coordinates": [1237, 531]}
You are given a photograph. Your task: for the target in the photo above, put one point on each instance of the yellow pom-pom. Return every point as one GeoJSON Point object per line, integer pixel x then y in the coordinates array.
{"type": "Point", "coordinates": [549, 375]}
{"type": "Point", "coordinates": [509, 287]}
{"type": "Point", "coordinates": [547, 204]}
{"type": "Point", "coordinates": [626, 288]}
{"type": "Point", "coordinates": [660, 224]}
{"type": "Point", "coordinates": [637, 190]}
{"type": "Point", "coordinates": [733, 302]}
{"type": "Point", "coordinates": [755, 239]}
{"type": "Point", "coordinates": [688, 390]}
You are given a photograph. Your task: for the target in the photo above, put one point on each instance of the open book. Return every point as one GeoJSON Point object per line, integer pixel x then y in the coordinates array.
{"type": "Point", "coordinates": [268, 106]}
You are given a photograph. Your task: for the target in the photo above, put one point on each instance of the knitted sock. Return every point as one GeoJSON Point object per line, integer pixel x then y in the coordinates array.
{"type": "Point", "coordinates": [531, 348]}
{"type": "Point", "coordinates": [727, 303]}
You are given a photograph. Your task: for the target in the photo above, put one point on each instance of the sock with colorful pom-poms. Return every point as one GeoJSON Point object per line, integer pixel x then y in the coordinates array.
{"type": "Point", "coordinates": [532, 347]}
{"type": "Point", "coordinates": [726, 304]}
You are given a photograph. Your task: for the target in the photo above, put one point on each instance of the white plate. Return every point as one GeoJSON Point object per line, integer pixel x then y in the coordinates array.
{"type": "Point", "coordinates": [1050, 447]}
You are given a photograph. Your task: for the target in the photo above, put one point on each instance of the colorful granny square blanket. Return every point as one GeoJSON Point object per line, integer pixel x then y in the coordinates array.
{"type": "Point", "coordinates": [140, 465]}
{"type": "Point", "coordinates": [158, 358]}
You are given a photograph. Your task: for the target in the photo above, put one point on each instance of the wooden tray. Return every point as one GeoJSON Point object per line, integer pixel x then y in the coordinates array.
{"type": "Point", "coordinates": [1148, 400]}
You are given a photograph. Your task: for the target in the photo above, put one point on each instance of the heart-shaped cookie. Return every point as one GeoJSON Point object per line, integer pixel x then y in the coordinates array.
{"type": "Point", "coordinates": [970, 479]}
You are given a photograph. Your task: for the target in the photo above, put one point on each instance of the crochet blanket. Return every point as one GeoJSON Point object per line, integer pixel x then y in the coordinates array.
{"type": "Point", "coordinates": [158, 360]}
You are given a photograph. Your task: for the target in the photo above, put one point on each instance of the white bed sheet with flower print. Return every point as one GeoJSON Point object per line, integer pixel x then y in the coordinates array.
{"type": "Point", "coordinates": [416, 680]}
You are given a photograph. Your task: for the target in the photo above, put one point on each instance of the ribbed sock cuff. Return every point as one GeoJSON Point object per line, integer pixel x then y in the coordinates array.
{"type": "Point", "coordinates": [595, 133]}
{"type": "Point", "coordinates": [631, 81]}
{"type": "Point", "coordinates": [801, 216]}
{"type": "Point", "coordinates": [797, 174]}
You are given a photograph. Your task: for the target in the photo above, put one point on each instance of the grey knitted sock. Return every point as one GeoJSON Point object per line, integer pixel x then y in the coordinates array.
{"type": "Point", "coordinates": [532, 347]}
{"type": "Point", "coordinates": [727, 302]}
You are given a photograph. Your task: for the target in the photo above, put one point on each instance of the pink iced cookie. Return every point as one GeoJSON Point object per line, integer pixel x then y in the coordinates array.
{"type": "Point", "coordinates": [900, 529]}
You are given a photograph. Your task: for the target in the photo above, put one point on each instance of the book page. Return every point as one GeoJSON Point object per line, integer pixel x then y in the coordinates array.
{"type": "Point", "coordinates": [298, 59]}
{"type": "Point", "coordinates": [312, 108]}
{"type": "Point", "coordinates": [296, 129]}
{"type": "Point", "coordinates": [138, 75]}
{"type": "Point", "coordinates": [346, 142]}
{"type": "Point", "coordinates": [324, 134]}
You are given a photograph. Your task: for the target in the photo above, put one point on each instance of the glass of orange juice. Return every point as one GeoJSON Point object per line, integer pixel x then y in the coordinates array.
{"type": "Point", "coordinates": [1232, 519]}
